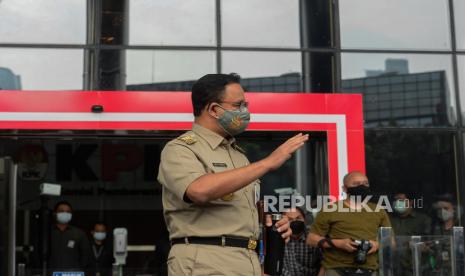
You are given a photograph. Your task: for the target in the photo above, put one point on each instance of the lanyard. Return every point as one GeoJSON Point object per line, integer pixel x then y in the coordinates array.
{"type": "Point", "coordinates": [97, 254]}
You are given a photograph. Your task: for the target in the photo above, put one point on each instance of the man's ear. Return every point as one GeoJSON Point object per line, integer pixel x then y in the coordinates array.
{"type": "Point", "coordinates": [344, 188]}
{"type": "Point", "coordinates": [211, 110]}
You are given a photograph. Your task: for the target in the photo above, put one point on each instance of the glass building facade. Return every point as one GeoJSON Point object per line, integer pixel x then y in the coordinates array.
{"type": "Point", "coordinates": [407, 58]}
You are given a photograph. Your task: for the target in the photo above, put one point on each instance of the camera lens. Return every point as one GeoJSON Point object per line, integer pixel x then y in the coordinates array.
{"type": "Point", "coordinates": [362, 251]}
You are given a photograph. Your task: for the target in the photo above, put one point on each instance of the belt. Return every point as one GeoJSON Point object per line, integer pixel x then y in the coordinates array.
{"type": "Point", "coordinates": [221, 241]}
{"type": "Point", "coordinates": [349, 271]}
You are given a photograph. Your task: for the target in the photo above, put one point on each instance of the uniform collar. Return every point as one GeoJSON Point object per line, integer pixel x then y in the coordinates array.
{"type": "Point", "coordinates": [213, 138]}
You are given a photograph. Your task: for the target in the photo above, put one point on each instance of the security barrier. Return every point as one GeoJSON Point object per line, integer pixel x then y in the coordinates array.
{"type": "Point", "coordinates": [421, 255]}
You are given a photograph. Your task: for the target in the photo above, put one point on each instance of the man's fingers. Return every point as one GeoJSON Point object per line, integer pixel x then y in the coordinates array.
{"type": "Point", "coordinates": [292, 139]}
{"type": "Point", "coordinates": [351, 246]}
{"type": "Point", "coordinates": [268, 220]}
{"type": "Point", "coordinates": [295, 144]}
{"type": "Point", "coordinates": [299, 140]}
{"type": "Point", "coordinates": [295, 147]}
{"type": "Point", "coordinates": [374, 247]}
{"type": "Point", "coordinates": [290, 144]}
{"type": "Point", "coordinates": [287, 234]}
{"type": "Point", "coordinates": [282, 221]}
{"type": "Point", "coordinates": [283, 224]}
{"type": "Point", "coordinates": [296, 137]}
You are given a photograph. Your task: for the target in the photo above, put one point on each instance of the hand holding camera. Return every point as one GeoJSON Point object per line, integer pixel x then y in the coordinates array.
{"type": "Point", "coordinates": [363, 247]}
{"type": "Point", "coordinates": [348, 245]}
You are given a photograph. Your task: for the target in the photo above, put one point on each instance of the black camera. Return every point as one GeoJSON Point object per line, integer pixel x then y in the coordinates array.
{"type": "Point", "coordinates": [363, 246]}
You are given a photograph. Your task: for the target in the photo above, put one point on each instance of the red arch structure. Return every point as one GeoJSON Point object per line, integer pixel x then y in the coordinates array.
{"type": "Point", "coordinates": [339, 115]}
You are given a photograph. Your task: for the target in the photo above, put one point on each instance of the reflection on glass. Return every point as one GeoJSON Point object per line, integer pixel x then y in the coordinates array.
{"type": "Point", "coordinates": [461, 73]}
{"type": "Point", "coordinates": [41, 69]}
{"type": "Point", "coordinates": [45, 21]}
{"type": "Point", "coordinates": [459, 14]}
{"type": "Point", "coordinates": [402, 90]}
{"type": "Point", "coordinates": [103, 179]}
{"type": "Point", "coordinates": [265, 71]}
{"type": "Point", "coordinates": [398, 24]}
{"type": "Point", "coordinates": [260, 23]}
{"type": "Point", "coordinates": [418, 255]}
{"type": "Point", "coordinates": [175, 22]}
{"type": "Point", "coordinates": [411, 162]}
{"type": "Point", "coordinates": [167, 70]}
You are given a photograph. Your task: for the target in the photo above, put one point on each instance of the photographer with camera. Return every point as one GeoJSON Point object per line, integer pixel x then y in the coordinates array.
{"type": "Point", "coordinates": [300, 259]}
{"type": "Point", "coordinates": [346, 231]}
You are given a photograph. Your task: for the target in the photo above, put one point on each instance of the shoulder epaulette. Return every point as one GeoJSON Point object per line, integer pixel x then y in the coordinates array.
{"type": "Point", "coordinates": [188, 139]}
{"type": "Point", "coordinates": [239, 149]}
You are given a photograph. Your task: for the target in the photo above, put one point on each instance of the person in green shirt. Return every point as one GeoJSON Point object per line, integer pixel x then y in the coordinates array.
{"type": "Point", "coordinates": [405, 220]}
{"type": "Point", "coordinates": [444, 215]}
{"type": "Point", "coordinates": [338, 229]}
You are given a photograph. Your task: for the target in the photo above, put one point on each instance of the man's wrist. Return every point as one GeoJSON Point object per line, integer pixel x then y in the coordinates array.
{"type": "Point", "coordinates": [263, 165]}
{"type": "Point", "coordinates": [327, 241]}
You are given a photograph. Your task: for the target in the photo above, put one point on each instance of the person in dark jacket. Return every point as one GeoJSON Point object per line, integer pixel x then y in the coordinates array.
{"type": "Point", "coordinates": [69, 245]}
{"type": "Point", "coordinates": [101, 251]}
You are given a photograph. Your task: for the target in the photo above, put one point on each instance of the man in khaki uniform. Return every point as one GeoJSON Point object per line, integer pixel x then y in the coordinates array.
{"type": "Point", "coordinates": [210, 189]}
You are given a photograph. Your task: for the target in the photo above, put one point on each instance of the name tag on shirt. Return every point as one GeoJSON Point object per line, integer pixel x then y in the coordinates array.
{"type": "Point", "coordinates": [221, 165]}
{"type": "Point", "coordinates": [71, 244]}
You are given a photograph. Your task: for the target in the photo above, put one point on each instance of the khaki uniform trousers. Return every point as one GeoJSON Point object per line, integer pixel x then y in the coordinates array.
{"type": "Point", "coordinates": [202, 260]}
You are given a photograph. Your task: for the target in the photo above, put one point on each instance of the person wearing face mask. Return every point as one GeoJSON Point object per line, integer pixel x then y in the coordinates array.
{"type": "Point", "coordinates": [69, 245]}
{"type": "Point", "coordinates": [101, 251]}
{"type": "Point", "coordinates": [443, 215]}
{"type": "Point", "coordinates": [336, 230]}
{"type": "Point", "coordinates": [444, 219]}
{"type": "Point", "coordinates": [300, 259]}
{"type": "Point", "coordinates": [405, 220]}
{"type": "Point", "coordinates": [210, 189]}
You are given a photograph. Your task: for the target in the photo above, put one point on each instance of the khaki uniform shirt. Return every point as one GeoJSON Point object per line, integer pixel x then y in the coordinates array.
{"type": "Point", "coordinates": [183, 160]}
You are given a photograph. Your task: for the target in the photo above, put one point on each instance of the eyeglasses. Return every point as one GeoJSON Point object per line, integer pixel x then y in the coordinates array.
{"type": "Point", "coordinates": [239, 105]}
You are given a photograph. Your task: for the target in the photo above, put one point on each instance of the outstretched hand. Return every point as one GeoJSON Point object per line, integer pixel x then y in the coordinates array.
{"type": "Point", "coordinates": [282, 153]}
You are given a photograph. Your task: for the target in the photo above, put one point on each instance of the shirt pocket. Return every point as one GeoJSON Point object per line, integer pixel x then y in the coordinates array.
{"type": "Point", "coordinates": [232, 197]}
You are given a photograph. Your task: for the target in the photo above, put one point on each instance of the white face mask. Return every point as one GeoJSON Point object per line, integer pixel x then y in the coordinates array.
{"type": "Point", "coordinates": [445, 215]}
{"type": "Point", "coordinates": [401, 206]}
{"type": "Point", "coordinates": [64, 217]}
{"type": "Point", "coordinates": [100, 236]}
